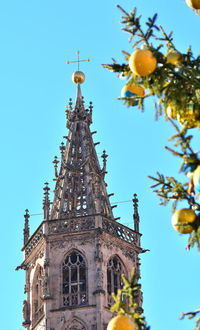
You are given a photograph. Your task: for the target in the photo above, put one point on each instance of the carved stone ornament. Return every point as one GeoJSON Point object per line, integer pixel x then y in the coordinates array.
{"type": "Point", "coordinates": [38, 235]}
{"type": "Point", "coordinates": [46, 294]}
{"type": "Point", "coordinates": [46, 262]}
{"type": "Point", "coordinates": [98, 254]}
{"type": "Point", "coordinates": [26, 312]}
{"type": "Point", "coordinates": [71, 225]}
{"type": "Point", "coordinates": [76, 325]}
{"type": "Point", "coordinates": [100, 276]}
{"type": "Point", "coordinates": [39, 255]}
{"type": "Point", "coordinates": [70, 243]}
{"type": "Point", "coordinates": [59, 244]}
{"type": "Point", "coordinates": [129, 253]}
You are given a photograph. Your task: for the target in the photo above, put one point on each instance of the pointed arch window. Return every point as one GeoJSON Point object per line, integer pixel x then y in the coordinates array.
{"type": "Point", "coordinates": [74, 274]}
{"type": "Point", "coordinates": [115, 269]}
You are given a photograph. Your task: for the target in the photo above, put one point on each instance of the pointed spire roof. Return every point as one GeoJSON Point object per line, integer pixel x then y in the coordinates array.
{"type": "Point", "coordinates": [79, 98]}
{"type": "Point", "coordinates": [80, 187]}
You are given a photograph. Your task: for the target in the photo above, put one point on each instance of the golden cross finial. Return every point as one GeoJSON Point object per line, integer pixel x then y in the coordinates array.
{"type": "Point", "coordinates": [78, 61]}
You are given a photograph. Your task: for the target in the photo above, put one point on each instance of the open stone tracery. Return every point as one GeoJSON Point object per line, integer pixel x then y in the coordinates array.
{"type": "Point", "coordinates": [74, 280]}
{"type": "Point", "coordinates": [115, 269]}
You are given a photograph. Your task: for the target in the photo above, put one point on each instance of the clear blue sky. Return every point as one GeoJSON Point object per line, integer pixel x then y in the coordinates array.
{"type": "Point", "coordinates": [37, 37]}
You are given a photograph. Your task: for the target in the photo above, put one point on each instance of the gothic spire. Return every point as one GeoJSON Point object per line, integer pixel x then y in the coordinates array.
{"type": "Point", "coordinates": [80, 187]}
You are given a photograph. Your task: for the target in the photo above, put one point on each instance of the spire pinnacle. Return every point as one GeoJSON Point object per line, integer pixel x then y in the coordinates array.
{"type": "Point", "coordinates": [26, 226]}
{"type": "Point", "coordinates": [55, 162]}
{"type": "Point", "coordinates": [62, 149]}
{"type": "Point", "coordinates": [46, 201]}
{"type": "Point", "coordinates": [136, 219]}
{"type": "Point", "coordinates": [136, 216]}
{"type": "Point", "coordinates": [104, 156]}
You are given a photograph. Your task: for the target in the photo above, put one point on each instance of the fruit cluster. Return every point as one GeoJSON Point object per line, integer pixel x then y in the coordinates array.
{"type": "Point", "coordinates": [173, 79]}
{"type": "Point", "coordinates": [142, 63]}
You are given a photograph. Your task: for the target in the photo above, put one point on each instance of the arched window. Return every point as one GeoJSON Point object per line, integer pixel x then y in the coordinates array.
{"type": "Point", "coordinates": [74, 280]}
{"type": "Point", "coordinates": [37, 293]}
{"type": "Point", "coordinates": [115, 269]}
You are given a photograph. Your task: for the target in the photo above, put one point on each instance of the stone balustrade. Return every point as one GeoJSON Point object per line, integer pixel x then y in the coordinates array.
{"type": "Point", "coordinates": [74, 225]}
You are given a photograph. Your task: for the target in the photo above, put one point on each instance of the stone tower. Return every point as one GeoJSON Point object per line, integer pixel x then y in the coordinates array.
{"type": "Point", "coordinates": [75, 258]}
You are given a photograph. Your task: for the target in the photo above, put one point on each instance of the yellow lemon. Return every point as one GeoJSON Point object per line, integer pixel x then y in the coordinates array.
{"type": "Point", "coordinates": [173, 57]}
{"type": "Point", "coordinates": [122, 322]}
{"type": "Point", "coordinates": [182, 217]}
{"type": "Point", "coordinates": [142, 62]}
{"type": "Point", "coordinates": [194, 4]}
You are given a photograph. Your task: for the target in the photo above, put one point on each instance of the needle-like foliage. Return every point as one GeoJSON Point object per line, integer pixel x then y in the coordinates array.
{"type": "Point", "coordinates": [175, 87]}
{"type": "Point", "coordinates": [126, 301]}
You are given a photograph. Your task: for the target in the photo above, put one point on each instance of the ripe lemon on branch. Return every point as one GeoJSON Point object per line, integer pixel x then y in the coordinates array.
{"type": "Point", "coordinates": [122, 322]}
{"type": "Point", "coordinates": [142, 62]}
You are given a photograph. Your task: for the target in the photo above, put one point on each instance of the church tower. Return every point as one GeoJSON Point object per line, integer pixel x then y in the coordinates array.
{"type": "Point", "coordinates": [75, 258]}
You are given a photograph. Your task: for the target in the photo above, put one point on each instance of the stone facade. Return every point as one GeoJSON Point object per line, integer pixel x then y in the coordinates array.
{"type": "Point", "coordinates": [76, 256]}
